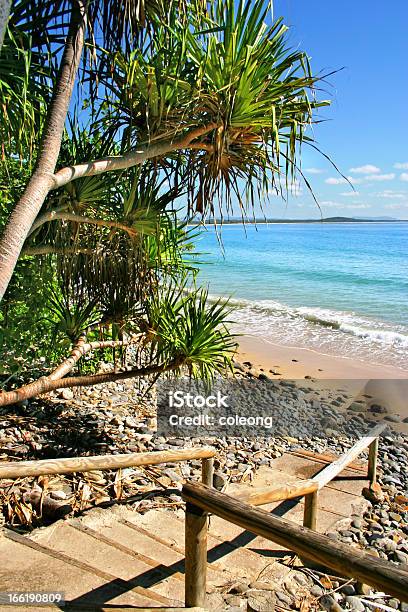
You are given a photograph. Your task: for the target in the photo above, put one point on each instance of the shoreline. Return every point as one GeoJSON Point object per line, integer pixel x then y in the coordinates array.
{"type": "Point", "coordinates": [386, 386]}
{"type": "Point", "coordinates": [326, 221]}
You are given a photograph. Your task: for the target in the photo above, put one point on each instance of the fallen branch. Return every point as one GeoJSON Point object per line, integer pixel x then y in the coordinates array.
{"type": "Point", "coordinates": [46, 384]}
{"type": "Point", "coordinates": [81, 348]}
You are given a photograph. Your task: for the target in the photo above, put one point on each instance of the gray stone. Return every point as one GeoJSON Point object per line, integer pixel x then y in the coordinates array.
{"type": "Point", "coordinates": [401, 557]}
{"type": "Point", "coordinates": [327, 602]}
{"type": "Point", "coordinates": [348, 589]}
{"type": "Point", "coordinates": [67, 394]}
{"type": "Point", "coordinates": [355, 603]}
{"type": "Point", "coordinates": [377, 409]}
{"type": "Point", "coordinates": [316, 591]}
{"type": "Point", "coordinates": [219, 480]}
{"type": "Point", "coordinates": [392, 418]}
{"type": "Point", "coordinates": [355, 407]}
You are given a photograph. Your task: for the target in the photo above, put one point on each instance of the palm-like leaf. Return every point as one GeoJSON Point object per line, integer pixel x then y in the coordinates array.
{"type": "Point", "coordinates": [264, 96]}
{"type": "Point", "coordinates": [190, 329]}
{"type": "Point", "coordinates": [240, 74]}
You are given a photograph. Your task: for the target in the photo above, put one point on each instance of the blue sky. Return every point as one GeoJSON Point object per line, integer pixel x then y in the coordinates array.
{"type": "Point", "coordinates": [366, 132]}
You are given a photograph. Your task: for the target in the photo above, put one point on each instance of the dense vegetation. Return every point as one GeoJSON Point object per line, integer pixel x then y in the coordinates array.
{"type": "Point", "coordinates": [118, 122]}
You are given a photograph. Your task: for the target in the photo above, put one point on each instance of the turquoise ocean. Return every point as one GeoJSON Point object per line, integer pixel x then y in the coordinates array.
{"type": "Point", "coordinates": [338, 288]}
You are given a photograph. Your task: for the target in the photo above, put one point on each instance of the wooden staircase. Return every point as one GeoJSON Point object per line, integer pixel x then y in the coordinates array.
{"type": "Point", "coordinates": [118, 557]}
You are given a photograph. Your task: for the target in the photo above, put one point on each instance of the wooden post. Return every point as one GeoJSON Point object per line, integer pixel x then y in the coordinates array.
{"type": "Point", "coordinates": [207, 471]}
{"type": "Point", "coordinates": [310, 512]}
{"type": "Point", "coordinates": [195, 556]}
{"type": "Point", "coordinates": [372, 462]}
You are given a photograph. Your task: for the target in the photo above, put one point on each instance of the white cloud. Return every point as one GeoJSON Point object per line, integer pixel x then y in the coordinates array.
{"type": "Point", "coordinates": [389, 194]}
{"type": "Point", "coordinates": [356, 205]}
{"type": "Point", "coordinates": [352, 206]}
{"type": "Point", "coordinates": [401, 166]}
{"type": "Point", "coordinates": [398, 206]}
{"type": "Point", "coordinates": [367, 169]}
{"type": "Point", "coordinates": [382, 177]}
{"type": "Point", "coordinates": [404, 176]}
{"type": "Point", "coordinates": [335, 181]}
{"type": "Point", "coordinates": [342, 181]}
{"type": "Point", "coordinates": [314, 171]}
{"type": "Point", "coordinates": [349, 194]}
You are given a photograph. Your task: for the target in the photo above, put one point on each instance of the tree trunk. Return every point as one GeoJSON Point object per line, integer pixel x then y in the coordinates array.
{"type": "Point", "coordinates": [42, 180]}
{"type": "Point", "coordinates": [4, 15]}
{"type": "Point", "coordinates": [45, 384]}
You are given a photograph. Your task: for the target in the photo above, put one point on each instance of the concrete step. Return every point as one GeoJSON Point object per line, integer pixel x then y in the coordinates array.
{"type": "Point", "coordinates": [136, 570]}
{"type": "Point", "coordinates": [222, 554]}
{"type": "Point", "coordinates": [28, 566]}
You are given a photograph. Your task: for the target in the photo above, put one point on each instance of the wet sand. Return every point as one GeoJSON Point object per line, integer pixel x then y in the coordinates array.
{"type": "Point", "coordinates": [386, 386]}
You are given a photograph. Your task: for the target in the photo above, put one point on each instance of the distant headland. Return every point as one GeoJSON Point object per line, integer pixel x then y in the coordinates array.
{"type": "Point", "coordinates": [260, 220]}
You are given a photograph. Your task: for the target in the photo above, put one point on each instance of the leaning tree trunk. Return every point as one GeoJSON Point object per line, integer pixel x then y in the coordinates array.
{"type": "Point", "coordinates": [4, 15]}
{"type": "Point", "coordinates": [40, 183]}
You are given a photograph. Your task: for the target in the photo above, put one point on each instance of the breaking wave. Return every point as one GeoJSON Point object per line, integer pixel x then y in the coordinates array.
{"type": "Point", "coordinates": [336, 332]}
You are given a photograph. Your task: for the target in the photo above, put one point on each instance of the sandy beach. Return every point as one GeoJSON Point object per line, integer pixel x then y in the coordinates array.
{"type": "Point", "coordinates": [376, 384]}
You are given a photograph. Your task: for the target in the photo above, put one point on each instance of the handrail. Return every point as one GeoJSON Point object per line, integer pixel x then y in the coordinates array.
{"type": "Point", "coordinates": [334, 469]}
{"type": "Point", "coordinates": [68, 465]}
{"type": "Point", "coordinates": [309, 488]}
{"type": "Point", "coordinates": [267, 495]}
{"type": "Point", "coordinates": [303, 541]}
{"type": "Point", "coordinates": [321, 479]}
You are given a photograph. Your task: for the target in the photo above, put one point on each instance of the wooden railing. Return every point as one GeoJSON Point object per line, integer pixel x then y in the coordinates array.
{"type": "Point", "coordinates": [201, 500]}
{"type": "Point", "coordinates": [21, 469]}
{"type": "Point", "coordinates": [310, 488]}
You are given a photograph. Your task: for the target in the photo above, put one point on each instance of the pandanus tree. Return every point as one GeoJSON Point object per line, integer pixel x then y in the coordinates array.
{"type": "Point", "coordinates": [196, 100]}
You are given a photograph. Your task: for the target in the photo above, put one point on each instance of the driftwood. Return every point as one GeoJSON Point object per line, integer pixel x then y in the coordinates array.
{"type": "Point", "coordinates": [50, 509]}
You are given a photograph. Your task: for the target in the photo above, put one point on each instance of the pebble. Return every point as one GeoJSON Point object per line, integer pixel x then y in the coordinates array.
{"type": "Point", "coordinates": [348, 589]}
{"type": "Point", "coordinates": [316, 591]}
{"type": "Point", "coordinates": [355, 603]}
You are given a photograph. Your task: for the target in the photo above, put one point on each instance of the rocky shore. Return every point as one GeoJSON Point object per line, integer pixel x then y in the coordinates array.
{"type": "Point", "coordinates": [121, 418]}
